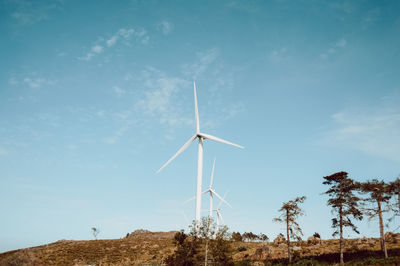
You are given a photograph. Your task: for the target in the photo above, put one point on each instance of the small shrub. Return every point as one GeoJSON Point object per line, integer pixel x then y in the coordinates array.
{"type": "Point", "coordinates": [316, 235]}
{"type": "Point", "coordinates": [243, 263]}
{"type": "Point", "coordinates": [241, 248]}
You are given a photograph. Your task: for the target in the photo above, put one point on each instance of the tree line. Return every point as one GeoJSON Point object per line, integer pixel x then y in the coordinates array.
{"type": "Point", "coordinates": [349, 199]}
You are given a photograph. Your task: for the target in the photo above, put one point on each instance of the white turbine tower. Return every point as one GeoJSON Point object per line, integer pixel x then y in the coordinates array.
{"type": "Point", "coordinates": [201, 137]}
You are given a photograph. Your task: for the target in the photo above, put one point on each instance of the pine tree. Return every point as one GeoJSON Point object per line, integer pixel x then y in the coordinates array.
{"type": "Point", "coordinates": [345, 205]}
{"type": "Point", "coordinates": [379, 193]}
{"type": "Point", "coordinates": [290, 212]}
{"type": "Point", "coordinates": [394, 189]}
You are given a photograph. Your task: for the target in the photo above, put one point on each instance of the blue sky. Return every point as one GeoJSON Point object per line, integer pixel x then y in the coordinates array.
{"type": "Point", "coordinates": [96, 95]}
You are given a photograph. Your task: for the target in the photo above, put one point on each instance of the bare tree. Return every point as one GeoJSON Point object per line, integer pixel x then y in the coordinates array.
{"type": "Point", "coordinates": [379, 193]}
{"type": "Point", "coordinates": [95, 232]}
{"type": "Point", "coordinates": [290, 212]}
{"type": "Point", "coordinates": [345, 205]}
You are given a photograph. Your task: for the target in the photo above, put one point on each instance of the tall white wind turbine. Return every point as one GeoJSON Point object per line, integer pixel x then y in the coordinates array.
{"type": "Point", "coordinates": [201, 137]}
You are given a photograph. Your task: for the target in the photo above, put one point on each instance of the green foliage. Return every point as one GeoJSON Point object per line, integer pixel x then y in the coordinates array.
{"type": "Point", "coordinates": [189, 247]}
{"type": "Point", "coordinates": [220, 248]}
{"type": "Point", "coordinates": [243, 263]}
{"type": "Point", "coordinates": [186, 251]}
{"type": "Point", "coordinates": [317, 235]}
{"type": "Point", "coordinates": [236, 236]}
{"type": "Point", "coordinates": [378, 192]}
{"type": "Point", "coordinates": [343, 201]}
{"type": "Point", "coordinates": [249, 236]}
{"type": "Point", "coordinates": [263, 237]}
{"type": "Point", "coordinates": [290, 211]}
{"type": "Point", "coordinates": [241, 248]}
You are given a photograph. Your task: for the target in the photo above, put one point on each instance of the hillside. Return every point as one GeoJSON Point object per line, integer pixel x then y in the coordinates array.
{"type": "Point", "coordinates": [150, 248]}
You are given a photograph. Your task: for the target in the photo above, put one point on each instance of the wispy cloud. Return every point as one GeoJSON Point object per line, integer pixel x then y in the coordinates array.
{"type": "Point", "coordinates": [345, 6]}
{"type": "Point", "coordinates": [118, 91]}
{"type": "Point", "coordinates": [203, 61]}
{"type": "Point", "coordinates": [125, 35]}
{"type": "Point", "coordinates": [373, 132]}
{"type": "Point", "coordinates": [165, 26]}
{"type": "Point", "coordinates": [160, 90]}
{"type": "Point", "coordinates": [29, 12]}
{"type": "Point", "coordinates": [340, 44]}
{"type": "Point", "coordinates": [37, 82]}
{"type": "Point", "coordinates": [3, 151]}
{"type": "Point", "coordinates": [33, 80]}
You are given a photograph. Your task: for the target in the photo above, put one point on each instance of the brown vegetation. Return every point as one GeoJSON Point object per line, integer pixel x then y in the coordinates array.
{"type": "Point", "coordinates": [147, 248]}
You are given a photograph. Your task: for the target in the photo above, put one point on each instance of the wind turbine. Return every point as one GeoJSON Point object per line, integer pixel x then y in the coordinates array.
{"type": "Point", "coordinates": [212, 193]}
{"type": "Point", "coordinates": [218, 210]}
{"type": "Point", "coordinates": [201, 137]}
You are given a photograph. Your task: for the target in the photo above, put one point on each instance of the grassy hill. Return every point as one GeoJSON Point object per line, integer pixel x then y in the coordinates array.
{"type": "Point", "coordinates": [151, 248]}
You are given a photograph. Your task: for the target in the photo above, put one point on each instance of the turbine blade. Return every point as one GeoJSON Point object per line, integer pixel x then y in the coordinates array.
{"type": "Point", "coordinates": [188, 200]}
{"type": "Point", "coordinates": [207, 136]}
{"type": "Point", "coordinates": [184, 147]}
{"type": "Point", "coordinates": [220, 203]}
{"type": "Point", "coordinates": [220, 216]}
{"type": "Point", "coordinates": [196, 110]}
{"type": "Point", "coordinates": [206, 191]}
{"type": "Point", "coordinates": [222, 199]}
{"type": "Point", "coordinates": [212, 174]}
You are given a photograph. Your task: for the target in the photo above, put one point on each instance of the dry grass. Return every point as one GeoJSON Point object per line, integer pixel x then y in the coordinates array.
{"type": "Point", "coordinates": [149, 248]}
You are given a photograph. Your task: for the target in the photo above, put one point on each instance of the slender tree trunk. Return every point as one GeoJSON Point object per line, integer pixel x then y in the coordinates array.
{"type": "Point", "coordinates": [341, 235]}
{"type": "Point", "coordinates": [381, 229]}
{"type": "Point", "coordinates": [205, 257]}
{"type": "Point", "coordinates": [398, 196]}
{"type": "Point", "coordinates": [288, 237]}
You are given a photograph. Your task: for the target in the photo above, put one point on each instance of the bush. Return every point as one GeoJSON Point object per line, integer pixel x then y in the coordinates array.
{"type": "Point", "coordinates": [316, 235]}
{"type": "Point", "coordinates": [241, 248]}
{"type": "Point", "coordinates": [243, 263]}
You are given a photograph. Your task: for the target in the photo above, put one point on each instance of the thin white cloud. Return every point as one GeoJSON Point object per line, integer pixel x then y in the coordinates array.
{"type": "Point", "coordinates": [87, 57]}
{"type": "Point", "coordinates": [97, 49]}
{"type": "Point", "coordinates": [37, 82]}
{"type": "Point", "coordinates": [124, 35]}
{"type": "Point", "coordinates": [203, 61]}
{"type": "Point", "coordinates": [159, 95]}
{"type": "Point", "coordinates": [112, 41]}
{"type": "Point", "coordinates": [278, 55]}
{"type": "Point", "coordinates": [3, 151]}
{"type": "Point", "coordinates": [165, 27]}
{"type": "Point", "coordinates": [30, 12]}
{"type": "Point", "coordinates": [372, 132]}
{"type": "Point", "coordinates": [118, 91]}
{"type": "Point", "coordinates": [127, 34]}
{"type": "Point", "coordinates": [340, 44]}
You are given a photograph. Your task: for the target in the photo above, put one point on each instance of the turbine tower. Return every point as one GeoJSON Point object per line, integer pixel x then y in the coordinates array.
{"type": "Point", "coordinates": [201, 137]}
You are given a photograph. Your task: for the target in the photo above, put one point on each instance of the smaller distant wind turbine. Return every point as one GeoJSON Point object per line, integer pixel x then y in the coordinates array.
{"type": "Point", "coordinates": [218, 210]}
{"type": "Point", "coordinates": [212, 193]}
